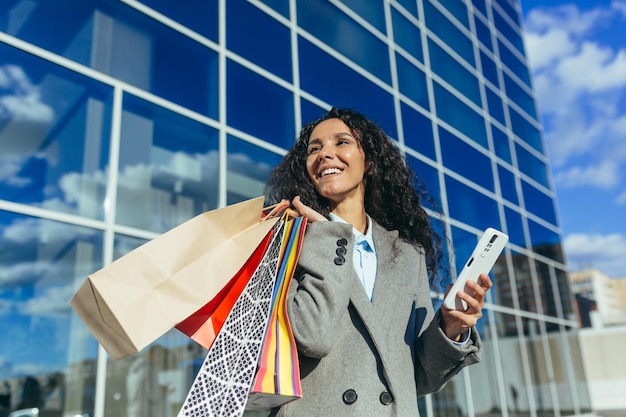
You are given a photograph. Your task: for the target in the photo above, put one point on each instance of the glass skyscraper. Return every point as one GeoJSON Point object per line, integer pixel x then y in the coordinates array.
{"type": "Point", "coordinates": [120, 119]}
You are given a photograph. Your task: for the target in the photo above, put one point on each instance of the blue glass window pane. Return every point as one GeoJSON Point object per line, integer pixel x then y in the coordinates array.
{"type": "Point", "coordinates": [508, 187]}
{"type": "Point", "coordinates": [480, 5]}
{"type": "Point", "coordinates": [464, 243]}
{"type": "Point", "coordinates": [181, 70]}
{"type": "Point", "coordinates": [418, 131]}
{"type": "Point", "coordinates": [525, 130]}
{"type": "Point", "coordinates": [450, 34]}
{"type": "Point", "coordinates": [124, 244]}
{"type": "Point", "coordinates": [494, 103]}
{"type": "Point", "coordinates": [459, 115]}
{"type": "Point", "coordinates": [508, 9]}
{"type": "Point", "coordinates": [483, 33]}
{"type": "Point", "coordinates": [458, 10]}
{"type": "Point", "coordinates": [429, 177]}
{"type": "Point", "coordinates": [66, 31]}
{"type": "Point", "coordinates": [372, 11]}
{"type": "Point", "coordinates": [407, 35]}
{"type": "Point", "coordinates": [470, 206]}
{"type": "Point", "coordinates": [281, 6]}
{"type": "Point", "coordinates": [54, 136]}
{"type": "Point", "coordinates": [199, 16]}
{"type": "Point", "coordinates": [501, 144]}
{"type": "Point", "coordinates": [168, 168]}
{"type": "Point", "coordinates": [310, 112]}
{"type": "Point", "coordinates": [264, 41]}
{"type": "Point", "coordinates": [519, 96]}
{"type": "Point", "coordinates": [43, 262]}
{"type": "Point", "coordinates": [532, 166]}
{"type": "Point", "coordinates": [465, 160]}
{"type": "Point", "coordinates": [545, 241]}
{"type": "Point", "coordinates": [248, 169]}
{"type": "Point", "coordinates": [410, 6]}
{"type": "Point", "coordinates": [454, 73]}
{"type": "Point", "coordinates": [539, 203]}
{"type": "Point", "coordinates": [508, 32]}
{"type": "Point", "coordinates": [258, 106]}
{"type": "Point", "coordinates": [514, 227]}
{"type": "Point", "coordinates": [323, 76]}
{"type": "Point", "coordinates": [490, 71]}
{"type": "Point", "coordinates": [340, 32]}
{"type": "Point", "coordinates": [412, 82]}
{"type": "Point", "coordinates": [516, 66]}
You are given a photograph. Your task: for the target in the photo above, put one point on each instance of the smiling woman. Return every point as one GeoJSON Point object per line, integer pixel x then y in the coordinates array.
{"type": "Point", "coordinates": [357, 328]}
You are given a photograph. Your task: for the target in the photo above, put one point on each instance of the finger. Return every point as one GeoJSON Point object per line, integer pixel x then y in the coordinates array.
{"type": "Point", "coordinates": [306, 211]}
{"type": "Point", "coordinates": [478, 290]}
{"type": "Point", "coordinates": [474, 303]}
{"type": "Point", "coordinates": [485, 281]}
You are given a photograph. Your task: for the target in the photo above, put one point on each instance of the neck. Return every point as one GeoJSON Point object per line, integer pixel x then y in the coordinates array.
{"type": "Point", "coordinates": [353, 213]}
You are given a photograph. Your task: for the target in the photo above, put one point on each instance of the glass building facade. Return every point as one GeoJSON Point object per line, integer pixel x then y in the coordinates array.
{"type": "Point", "coordinates": [120, 119]}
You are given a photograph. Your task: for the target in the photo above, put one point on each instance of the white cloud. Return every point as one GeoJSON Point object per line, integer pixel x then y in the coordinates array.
{"type": "Point", "coordinates": [567, 17]}
{"type": "Point", "coordinates": [581, 89]}
{"type": "Point", "coordinates": [606, 253]}
{"type": "Point", "coordinates": [594, 67]}
{"type": "Point", "coordinates": [621, 199]}
{"type": "Point", "coordinates": [23, 103]}
{"type": "Point", "coordinates": [545, 48]}
{"type": "Point", "coordinates": [52, 302]}
{"type": "Point", "coordinates": [619, 6]}
{"type": "Point", "coordinates": [605, 175]}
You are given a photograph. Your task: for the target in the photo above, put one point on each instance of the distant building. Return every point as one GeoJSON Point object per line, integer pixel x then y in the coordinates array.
{"type": "Point", "coordinates": [601, 300]}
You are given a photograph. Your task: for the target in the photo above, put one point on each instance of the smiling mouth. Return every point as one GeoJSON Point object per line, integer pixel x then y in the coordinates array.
{"type": "Point", "coordinates": [330, 171]}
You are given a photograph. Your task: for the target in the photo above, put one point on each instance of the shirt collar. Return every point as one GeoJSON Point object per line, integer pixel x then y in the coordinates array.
{"type": "Point", "coordinates": [358, 236]}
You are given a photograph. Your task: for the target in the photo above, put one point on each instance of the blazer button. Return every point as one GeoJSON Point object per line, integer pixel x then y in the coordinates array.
{"type": "Point", "coordinates": [350, 397]}
{"type": "Point", "coordinates": [342, 241]}
{"type": "Point", "coordinates": [340, 260]}
{"type": "Point", "coordinates": [385, 398]}
{"type": "Point", "coordinates": [341, 250]}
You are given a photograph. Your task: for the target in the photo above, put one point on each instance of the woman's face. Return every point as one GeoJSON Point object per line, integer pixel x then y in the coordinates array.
{"type": "Point", "coordinates": [336, 162]}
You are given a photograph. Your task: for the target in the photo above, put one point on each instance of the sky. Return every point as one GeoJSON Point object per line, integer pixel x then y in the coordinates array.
{"type": "Point", "coordinates": [577, 53]}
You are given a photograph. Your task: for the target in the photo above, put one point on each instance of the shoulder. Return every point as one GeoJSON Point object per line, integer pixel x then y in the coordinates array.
{"type": "Point", "coordinates": [392, 238]}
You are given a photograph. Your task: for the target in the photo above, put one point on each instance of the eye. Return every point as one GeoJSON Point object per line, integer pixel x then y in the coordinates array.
{"type": "Point", "coordinates": [313, 149]}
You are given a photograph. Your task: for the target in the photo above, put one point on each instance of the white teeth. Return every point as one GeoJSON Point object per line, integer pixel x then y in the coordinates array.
{"type": "Point", "coordinates": [330, 171]}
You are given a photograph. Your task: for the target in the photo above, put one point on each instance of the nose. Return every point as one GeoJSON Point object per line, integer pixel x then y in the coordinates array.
{"type": "Point", "coordinates": [324, 153]}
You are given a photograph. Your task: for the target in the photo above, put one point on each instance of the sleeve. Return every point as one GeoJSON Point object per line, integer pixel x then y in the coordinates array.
{"type": "Point", "coordinates": [319, 293]}
{"type": "Point", "coordinates": [439, 359]}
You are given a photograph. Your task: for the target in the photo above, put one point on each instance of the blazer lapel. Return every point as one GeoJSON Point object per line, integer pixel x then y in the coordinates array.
{"type": "Point", "coordinates": [385, 292]}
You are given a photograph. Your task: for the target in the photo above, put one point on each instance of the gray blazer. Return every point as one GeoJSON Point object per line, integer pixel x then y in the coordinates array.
{"type": "Point", "coordinates": [361, 358]}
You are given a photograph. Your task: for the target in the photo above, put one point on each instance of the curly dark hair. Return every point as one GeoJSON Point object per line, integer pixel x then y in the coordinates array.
{"type": "Point", "coordinates": [393, 193]}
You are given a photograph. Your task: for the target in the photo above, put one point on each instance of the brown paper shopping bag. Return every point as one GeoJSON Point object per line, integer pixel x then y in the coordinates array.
{"type": "Point", "coordinates": [139, 297]}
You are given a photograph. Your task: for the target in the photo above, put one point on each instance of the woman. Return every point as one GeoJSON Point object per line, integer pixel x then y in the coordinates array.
{"type": "Point", "coordinates": [369, 341]}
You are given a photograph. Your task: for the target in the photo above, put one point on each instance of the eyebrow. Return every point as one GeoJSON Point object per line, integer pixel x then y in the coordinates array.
{"type": "Point", "coordinates": [335, 135]}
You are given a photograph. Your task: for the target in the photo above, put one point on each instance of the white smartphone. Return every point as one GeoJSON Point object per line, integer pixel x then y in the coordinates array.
{"type": "Point", "coordinates": [484, 256]}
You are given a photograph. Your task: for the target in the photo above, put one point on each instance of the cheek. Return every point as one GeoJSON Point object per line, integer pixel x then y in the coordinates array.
{"type": "Point", "coordinates": [310, 166]}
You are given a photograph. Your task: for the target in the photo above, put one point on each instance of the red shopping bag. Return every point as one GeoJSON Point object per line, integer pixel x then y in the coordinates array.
{"type": "Point", "coordinates": [204, 325]}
